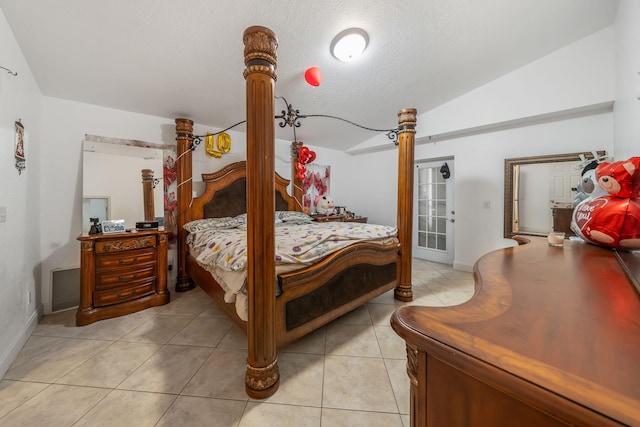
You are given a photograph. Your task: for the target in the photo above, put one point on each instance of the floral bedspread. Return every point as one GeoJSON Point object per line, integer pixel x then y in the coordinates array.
{"type": "Point", "coordinates": [223, 251]}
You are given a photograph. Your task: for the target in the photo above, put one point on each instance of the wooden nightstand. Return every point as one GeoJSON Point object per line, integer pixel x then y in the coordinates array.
{"type": "Point", "coordinates": [338, 218]}
{"type": "Point", "coordinates": [121, 273]}
{"type": "Point", "coordinates": [362, 219]}
{"type": "Point", "coordinates": [328, 218]}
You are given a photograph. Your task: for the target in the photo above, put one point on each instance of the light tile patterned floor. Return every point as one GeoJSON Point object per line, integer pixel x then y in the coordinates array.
{"type": "Point", "coordinates": [184, 364]}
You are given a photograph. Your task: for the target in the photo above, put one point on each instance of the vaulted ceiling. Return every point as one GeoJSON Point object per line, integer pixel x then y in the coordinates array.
{"type": "Point", "coordinates": [184, 58]}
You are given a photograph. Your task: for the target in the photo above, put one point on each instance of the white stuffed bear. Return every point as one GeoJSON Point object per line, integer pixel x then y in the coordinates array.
{"type": "Point", "coordinates": [324, 205]}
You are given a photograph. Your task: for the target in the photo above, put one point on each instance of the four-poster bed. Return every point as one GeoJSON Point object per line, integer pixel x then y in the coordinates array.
{"type": "Point", "coordinates": [309, 297]}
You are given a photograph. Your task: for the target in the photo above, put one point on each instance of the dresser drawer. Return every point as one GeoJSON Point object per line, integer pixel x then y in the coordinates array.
{"type": "Point", "coordinates": [125, 276]}
{"type": "Point", "coordinates": [123, 294]}
{"type": "Point", "coordinates": [125, 259]}
{"type": "Point", "coordinates": [125, 244]}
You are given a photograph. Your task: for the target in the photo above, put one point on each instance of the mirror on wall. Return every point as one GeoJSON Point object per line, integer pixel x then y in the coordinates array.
{"type": "Point", "coordinates": [112, 182]}
{"type": "Point", "coordinates": [539, 192]}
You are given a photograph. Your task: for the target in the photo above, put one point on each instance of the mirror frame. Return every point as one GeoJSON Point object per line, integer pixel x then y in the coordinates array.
{"type": "Point", "coordinates": [509, 167]}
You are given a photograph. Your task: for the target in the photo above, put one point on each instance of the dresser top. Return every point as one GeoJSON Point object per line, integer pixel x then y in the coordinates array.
{"type": "Point", "coordinates": [565, 319]}
{"type": "Point", "coordinates": [126, 234]}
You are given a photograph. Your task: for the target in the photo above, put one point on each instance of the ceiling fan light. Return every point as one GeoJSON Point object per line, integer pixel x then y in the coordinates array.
{"type": "Point", "coordinates": [349, 44]}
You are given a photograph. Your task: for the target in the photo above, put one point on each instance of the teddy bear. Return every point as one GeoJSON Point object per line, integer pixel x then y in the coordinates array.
{"type": "Point", "coordinates": [612, 220]}
{"type": "Point", "coordinates": [325, 205]}
{"type": "Point", "coordinates": [588, 186]}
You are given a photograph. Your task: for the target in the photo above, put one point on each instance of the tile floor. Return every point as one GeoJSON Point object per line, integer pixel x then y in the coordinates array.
{"type": "Point", "coordinates": [183, 364]}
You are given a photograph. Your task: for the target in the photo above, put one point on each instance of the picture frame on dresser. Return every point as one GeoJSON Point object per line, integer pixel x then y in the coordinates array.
{"type": "Point", "coordinates": [114, 226]}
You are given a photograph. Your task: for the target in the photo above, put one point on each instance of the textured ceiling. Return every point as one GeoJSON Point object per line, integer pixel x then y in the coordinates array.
{"type": "Point", "coordinates": [184, 58]}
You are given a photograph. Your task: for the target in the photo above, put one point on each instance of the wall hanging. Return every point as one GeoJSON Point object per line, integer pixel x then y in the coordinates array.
{"type": "Point", "coordinates": [19, 147]}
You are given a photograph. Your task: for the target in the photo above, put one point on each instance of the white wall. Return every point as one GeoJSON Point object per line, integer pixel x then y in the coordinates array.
{"type": "Point", "coordinates": [20, 196]}
{"type": "Point", "coordinates": [577, 76]}
{"type": "Point", "coordinates": [627, 108]}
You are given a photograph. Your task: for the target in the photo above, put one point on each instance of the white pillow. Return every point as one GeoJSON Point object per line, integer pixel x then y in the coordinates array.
{"type": "Point", "coordinates": [211, 224]}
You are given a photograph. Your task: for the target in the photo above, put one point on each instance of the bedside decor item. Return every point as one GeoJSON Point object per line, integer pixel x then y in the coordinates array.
{"type": "Point", "coordinates": [19, 146]}
{"type": "Point", "coordinates": [147, 225]}
{"type": "Point", "coordinates": [96, 228]}
{"type": "Point", "coordinates": [115, 226]}
{"type": "Point", "coordinates": [325, 205]}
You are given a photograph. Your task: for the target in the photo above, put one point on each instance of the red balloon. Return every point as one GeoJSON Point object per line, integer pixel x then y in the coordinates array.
{"type": "Point", "coordinates": [306, 156]}
{"type": "Point", "coordinates": [300, 167]}
{"type": "Point", "coordinates": [311, 157]}
{"type": "Point", "coordinates": [313, 76]}
{"type": "Point", "coordinates": [303, 152]}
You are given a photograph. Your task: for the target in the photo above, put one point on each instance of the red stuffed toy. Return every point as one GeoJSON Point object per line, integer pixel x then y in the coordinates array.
{"type": "Point", "coordinates": [612, 220]}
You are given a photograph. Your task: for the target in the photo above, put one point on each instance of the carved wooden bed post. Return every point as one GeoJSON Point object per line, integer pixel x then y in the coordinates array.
{"type": "Point", "coordinates": [184, 139]}
{"type": "Point", "coordinates": [262, 377]}
{"type": "Point", "coordinates": [296, 183]}
{"type": "Point", "coordinates": [406, 139]}
{"type": "Point", "coordinates": [147, 195]}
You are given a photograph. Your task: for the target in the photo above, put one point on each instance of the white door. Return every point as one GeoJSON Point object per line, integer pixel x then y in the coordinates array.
{"type": "Point", "coordinates": [434, 216]}
{"type": "Point", "coordinates": [565, 177]}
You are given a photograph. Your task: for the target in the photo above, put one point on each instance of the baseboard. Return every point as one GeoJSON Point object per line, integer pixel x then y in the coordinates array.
{"type": "Point", "coordinates": [8, 357]}
{"type": "Point", "coordinates": [462, 267]}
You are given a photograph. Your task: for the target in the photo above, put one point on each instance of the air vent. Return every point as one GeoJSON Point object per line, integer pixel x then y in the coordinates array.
{"type": "Point", "coordinates": [65, 288]}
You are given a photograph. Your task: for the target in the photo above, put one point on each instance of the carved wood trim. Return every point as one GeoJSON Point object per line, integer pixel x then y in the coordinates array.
{"type": "Point", "coordinates": [125, 244]}
{"type": "Point", "coordinates": [259, 380]}
{"type": "Point", "coordinates": [412, 364]}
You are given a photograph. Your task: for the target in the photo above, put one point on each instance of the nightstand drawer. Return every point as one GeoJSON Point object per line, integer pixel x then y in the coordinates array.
{"type": "Point", "coordinates": [125, 244]}
{"type": "Point", "coordinates": [114, 278]}
{"type": "Point", "coordinates": [125, 259]}
{"type": "Point", "coordinates": [116, 296]}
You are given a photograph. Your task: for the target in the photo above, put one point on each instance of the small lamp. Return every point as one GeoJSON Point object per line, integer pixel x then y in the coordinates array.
{"type": "Point", "coordinates": [349, 44]}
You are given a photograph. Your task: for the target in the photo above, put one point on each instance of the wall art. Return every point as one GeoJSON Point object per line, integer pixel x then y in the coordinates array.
{"type": "Point", "coordinates": [19, 147]}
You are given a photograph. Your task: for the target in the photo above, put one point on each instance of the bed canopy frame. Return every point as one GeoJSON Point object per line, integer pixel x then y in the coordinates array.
{"type": "Point", "coordinates": [260, 44]}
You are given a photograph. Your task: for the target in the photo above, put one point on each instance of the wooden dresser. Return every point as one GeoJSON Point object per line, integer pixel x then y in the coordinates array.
{"type": "Point", "coordinates": [550, 338]}
{"type": "Point", "coordinates": [121, 273]}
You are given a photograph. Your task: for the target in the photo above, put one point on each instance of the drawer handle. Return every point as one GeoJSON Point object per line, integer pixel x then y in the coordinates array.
{"type": "Point", "coordinates": [123, 262]}
{"type": "Point", "coordinates": [128, 279]}
{"type": "Point", "coordinates": [126, 295]}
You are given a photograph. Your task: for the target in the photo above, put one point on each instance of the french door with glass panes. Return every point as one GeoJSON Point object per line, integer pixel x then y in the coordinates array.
{"type": "Point", "coordinates": [434, 216]}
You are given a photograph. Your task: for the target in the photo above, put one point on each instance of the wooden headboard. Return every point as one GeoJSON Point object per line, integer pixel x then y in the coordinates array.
{"type": "Point", "coordinates": [225, 193]}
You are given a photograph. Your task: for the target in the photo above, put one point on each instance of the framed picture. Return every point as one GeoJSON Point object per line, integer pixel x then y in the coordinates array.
{"type": "Point", "coordinates": [116, 226]}
{"type": "Point", "coordinates": [19, 147]}
{"type": "Point", "coordinates": [316, 183]}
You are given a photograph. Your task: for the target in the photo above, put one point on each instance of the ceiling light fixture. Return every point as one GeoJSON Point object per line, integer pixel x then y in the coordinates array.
{"type": "Point", "coordinates": [349, 44]}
